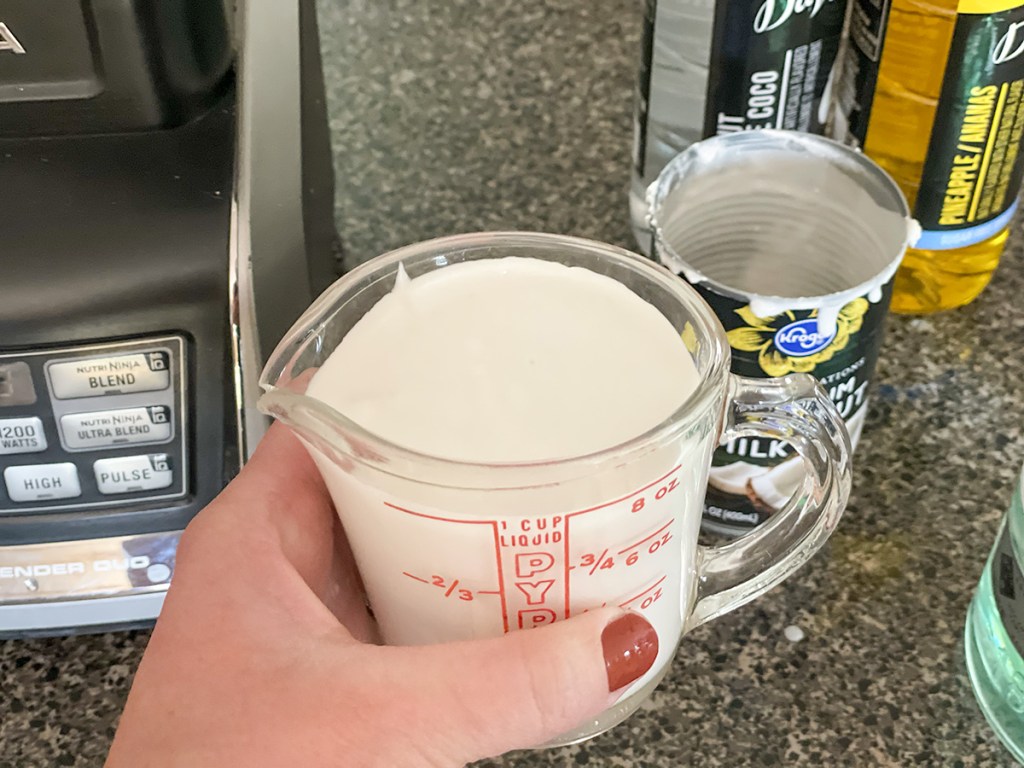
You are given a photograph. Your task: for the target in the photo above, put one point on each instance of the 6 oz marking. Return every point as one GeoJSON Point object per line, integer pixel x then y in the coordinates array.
{"type": "Point", "coordinates": [648, 545]}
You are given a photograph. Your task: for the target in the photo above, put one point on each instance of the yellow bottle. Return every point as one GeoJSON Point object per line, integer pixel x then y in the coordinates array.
{"type": "Point", "coordinates": [934, 93]}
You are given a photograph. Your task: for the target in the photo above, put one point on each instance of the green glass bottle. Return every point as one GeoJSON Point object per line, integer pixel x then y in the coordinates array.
{"type": "Point", "coordinates": [994, 633]}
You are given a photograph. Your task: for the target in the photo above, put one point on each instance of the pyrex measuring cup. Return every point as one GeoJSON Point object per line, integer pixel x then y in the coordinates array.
{"type": "Point", "coordinates": [452, 550]}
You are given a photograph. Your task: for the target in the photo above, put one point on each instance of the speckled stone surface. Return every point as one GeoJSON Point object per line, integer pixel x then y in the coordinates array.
{"type": "Point", "coordinates": [454, 116]}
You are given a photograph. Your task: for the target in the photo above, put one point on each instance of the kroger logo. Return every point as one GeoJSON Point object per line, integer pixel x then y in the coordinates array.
{"type": "Point", "coordinates": [801, 338]}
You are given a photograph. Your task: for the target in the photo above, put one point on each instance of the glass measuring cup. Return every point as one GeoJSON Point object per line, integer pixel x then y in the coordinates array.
{"type": "Point", "coordinates": [452, 550]}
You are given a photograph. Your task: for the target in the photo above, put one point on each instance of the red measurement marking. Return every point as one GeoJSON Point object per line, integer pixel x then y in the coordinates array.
{"type": "Point", "coordinates": [598, 561]}
{"type": "Point", "coordinates": [664, 491]}
{"type": "Point", "coordinates": [442, 519]}
{"type": "Point", "coordinates": [627, 496]}
{"type": "Point", "coordinates": [441, 582]}
{"type": "Point", "coordinates": [565, 536]}
{"type": "Point", "coordinates": [637, 597]}
{"type": "Point", "coordinates": [501, 578]}
{"type": "Point", "coordinates": [497, 549]}
{"type": "Point", "coordinates": [646, 538]}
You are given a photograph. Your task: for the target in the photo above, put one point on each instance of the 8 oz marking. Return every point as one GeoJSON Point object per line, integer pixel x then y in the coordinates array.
{"type": "Point", "coordinates": [662, 492]}
{"type": "Point", "coordinates": [659, 494]}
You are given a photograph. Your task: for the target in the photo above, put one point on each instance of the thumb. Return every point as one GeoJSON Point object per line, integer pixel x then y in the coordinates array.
{"type": "Point", "coordinates": [526, 688]}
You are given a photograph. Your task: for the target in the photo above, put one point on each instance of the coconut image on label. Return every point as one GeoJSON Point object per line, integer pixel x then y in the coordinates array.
{"type": "Point", "coordinates": [768, 486]}
{"type": "Point", "coordinates": [751, 478]}
{"type": "Point", "coordinates": [793, 240]}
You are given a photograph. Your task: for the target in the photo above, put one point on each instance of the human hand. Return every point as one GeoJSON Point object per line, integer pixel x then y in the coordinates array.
{"type": "Point", "coordinates": [264, 654]}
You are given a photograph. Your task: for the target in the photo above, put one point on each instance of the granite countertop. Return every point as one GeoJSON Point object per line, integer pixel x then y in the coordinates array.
{"type": "Point", "coordinates": [456, 115]}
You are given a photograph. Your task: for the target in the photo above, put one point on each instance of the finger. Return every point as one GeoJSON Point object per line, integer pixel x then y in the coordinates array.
{"type": "Point", "coordinates": [289, 488]}
{"type": "Point", "coordinates": [280, 466]}
{"type": "Point", "coordinates": [277, 514]}
{"type": "Point", "coordinates": [278, 500]}
{"type": "Point", "coordinates": [482, 698]}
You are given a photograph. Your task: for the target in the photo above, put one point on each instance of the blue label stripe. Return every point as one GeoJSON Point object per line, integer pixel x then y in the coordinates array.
{"type": "Point", "coordinates": [946, 239]}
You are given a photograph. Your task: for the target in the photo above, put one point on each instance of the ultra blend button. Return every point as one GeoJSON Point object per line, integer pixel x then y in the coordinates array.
{"type": "Point", "coordinates": [24, 435]}
{"type": "Point", "coordinates": [127, 474]}
{"type": "Point", "coordinates": [41, 482]}
{"type": "Point", "coordinates": [126, 426]}
{"type": "Point", "coordinates": [118, 374]}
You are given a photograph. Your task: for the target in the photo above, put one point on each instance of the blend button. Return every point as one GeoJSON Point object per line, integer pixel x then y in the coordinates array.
{"type": "Point", "coordinates": [114, 375]}
{"type": "Point", "coordinates": [126, 426]}
{"type": "Point", "coordinates": [24, 435]}
{"type": "Point", "coordinates": [127, 474]}
{"type": "Point", "coordinates": [42, 482]}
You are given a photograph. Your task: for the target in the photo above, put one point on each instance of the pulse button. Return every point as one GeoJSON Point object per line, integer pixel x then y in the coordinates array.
{"type": "Point", "coordinates": [126, 474]}
{"type": "Point", "coordinates": [42, 482]}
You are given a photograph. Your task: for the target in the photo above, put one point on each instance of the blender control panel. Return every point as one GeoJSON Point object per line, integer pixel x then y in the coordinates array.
{"type": "Point", "coordinates": [93, 426]}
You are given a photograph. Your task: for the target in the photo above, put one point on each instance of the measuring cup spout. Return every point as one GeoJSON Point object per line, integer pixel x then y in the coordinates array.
{"type": "Point", "coordinates": [310, 419]}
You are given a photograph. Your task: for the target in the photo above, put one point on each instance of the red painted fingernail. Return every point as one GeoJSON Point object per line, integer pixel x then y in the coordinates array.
{"type": "Point", "coordinates": [630, 646]}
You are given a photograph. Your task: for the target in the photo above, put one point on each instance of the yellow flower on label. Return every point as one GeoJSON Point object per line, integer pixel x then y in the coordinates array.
{"type": "Point", "coordinates": [745, 339]}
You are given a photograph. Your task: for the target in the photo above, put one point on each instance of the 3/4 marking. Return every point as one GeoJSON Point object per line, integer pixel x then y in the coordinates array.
{"type": "Point", "coordinates": [597, 563]}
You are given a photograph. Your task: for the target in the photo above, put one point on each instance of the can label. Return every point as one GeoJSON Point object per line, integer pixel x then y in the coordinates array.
{"type": "Point", "coordinates": [973, 167]}
{"type": "Point", "coordinates": [643, 87]}
{"type": "Point", "coordinates": [771, 64]}
{"type": "Point", "coordinates": [856, 88]}
{"type": "Point", "coordinates": [751, 479]}
{"type": "Point", "coordinates": [1008, 588]}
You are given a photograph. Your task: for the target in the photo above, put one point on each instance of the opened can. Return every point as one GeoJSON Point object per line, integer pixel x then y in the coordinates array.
{"type": "Point", "coordinates": [793, 240]}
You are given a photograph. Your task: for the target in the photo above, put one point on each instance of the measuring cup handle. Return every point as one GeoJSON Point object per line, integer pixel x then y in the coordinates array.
{"type": "Point", "coordinates": [795, 409]}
